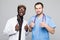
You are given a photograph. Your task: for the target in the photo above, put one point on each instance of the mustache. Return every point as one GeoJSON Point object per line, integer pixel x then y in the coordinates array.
{"type": "Point", "coordinates": [21, 11]}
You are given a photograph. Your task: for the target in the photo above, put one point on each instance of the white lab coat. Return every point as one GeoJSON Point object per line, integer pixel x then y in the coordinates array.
{"type": "Point", "coordinates": [10, 29]}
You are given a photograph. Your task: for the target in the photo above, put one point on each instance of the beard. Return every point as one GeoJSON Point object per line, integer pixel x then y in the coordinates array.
{"type": "Point", "coordinates": [19, 19]}
{"type": "Point", "coordinates": [39, 13]}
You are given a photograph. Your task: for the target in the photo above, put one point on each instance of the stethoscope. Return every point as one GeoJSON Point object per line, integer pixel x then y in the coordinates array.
{"type": "Point", "coordinates": [43, 18]}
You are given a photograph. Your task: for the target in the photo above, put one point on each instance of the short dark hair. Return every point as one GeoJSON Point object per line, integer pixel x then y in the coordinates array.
{"type": "Point", "coordinates": [38, 4]}
{"type": "Point", "coordinates": [19, 6]}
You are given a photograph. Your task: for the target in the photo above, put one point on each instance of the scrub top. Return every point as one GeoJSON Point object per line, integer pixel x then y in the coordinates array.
{"type": "Point", "coordinates": [39, 33]}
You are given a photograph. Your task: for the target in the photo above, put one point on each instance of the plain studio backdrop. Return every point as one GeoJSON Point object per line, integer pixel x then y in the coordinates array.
{"type": "Point", "coordinates": [8, 9]}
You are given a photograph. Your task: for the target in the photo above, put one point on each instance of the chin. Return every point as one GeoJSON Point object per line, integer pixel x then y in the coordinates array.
{"type": "Point", "coordinates": [38, 13]}
{"type": "Point", "coordinates": [21, 14]}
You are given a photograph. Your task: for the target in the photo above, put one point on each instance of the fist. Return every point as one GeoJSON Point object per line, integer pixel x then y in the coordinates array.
{"type": "Point", "coordinates": [26, 27]}
{"type": "Point", "coordinates": [17, 27]}
{"type": "Point", "coordinates": [43, 24]}
{"type": "Point", "coordinates": [31, 24]}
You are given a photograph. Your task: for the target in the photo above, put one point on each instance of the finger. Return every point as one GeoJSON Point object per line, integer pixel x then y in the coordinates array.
{"type": "Point", "coordinates": [41, 24]}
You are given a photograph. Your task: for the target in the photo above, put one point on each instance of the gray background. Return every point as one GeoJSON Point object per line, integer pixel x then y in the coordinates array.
{"type": "Point", "coordinates": [8, 9]}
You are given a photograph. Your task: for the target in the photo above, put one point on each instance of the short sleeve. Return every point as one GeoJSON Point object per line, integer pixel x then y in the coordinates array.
{"type": "Point", "coordinates": [51, 23]}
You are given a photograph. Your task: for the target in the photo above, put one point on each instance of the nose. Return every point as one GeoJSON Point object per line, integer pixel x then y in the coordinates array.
{"type": "Point", "coordinates": [21, 10]}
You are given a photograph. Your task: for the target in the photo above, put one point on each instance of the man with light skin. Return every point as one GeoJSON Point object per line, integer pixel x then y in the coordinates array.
{"type": "Point", "coordinates": [40, 24]}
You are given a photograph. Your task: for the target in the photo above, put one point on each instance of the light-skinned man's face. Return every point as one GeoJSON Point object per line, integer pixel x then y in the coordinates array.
{"type": "Point", "coordinates": [38, 9]}
{"type": "Point", "coordinates": [21, 11]}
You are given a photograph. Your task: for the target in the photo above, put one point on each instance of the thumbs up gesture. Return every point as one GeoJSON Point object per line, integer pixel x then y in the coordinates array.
{"type": "Point", "coordinates": [43, 24]}
{"type": "Point", "coordinates": [26, 27]}
{"type": "Point", "coordinates": [17, 27]}
{"type": "Point", "coordinates": [31, 24]}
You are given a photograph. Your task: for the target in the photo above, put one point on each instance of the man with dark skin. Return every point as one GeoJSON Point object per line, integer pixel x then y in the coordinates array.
{"type": "Point", "coordinates": [15, 26]}
{"type": "Point", "coordinates": [21, 12]}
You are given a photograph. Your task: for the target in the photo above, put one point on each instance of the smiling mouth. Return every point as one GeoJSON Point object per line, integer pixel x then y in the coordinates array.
{"type": "Point", "coordinates": [20, 13]}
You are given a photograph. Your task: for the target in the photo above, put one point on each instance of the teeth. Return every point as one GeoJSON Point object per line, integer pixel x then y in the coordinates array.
{"type": "Point", "coordinates": [21, 13]}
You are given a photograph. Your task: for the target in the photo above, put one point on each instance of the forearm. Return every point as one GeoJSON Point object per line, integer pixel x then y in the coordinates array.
{"type": "Point", "coordinates": [9, 32]}
{"type": "Point", "coordinates": [50, 29]}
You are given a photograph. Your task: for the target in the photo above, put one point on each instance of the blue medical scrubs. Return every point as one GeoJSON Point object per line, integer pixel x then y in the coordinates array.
{"type": "Point", "coordinates": [39, 33]}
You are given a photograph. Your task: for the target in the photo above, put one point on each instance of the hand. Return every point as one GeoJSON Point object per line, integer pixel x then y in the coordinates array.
{"type": "Point", "coordinates": [31, 24]}
{"type": "Point", "coordinates": [26, 27]}
{"type": "Point", "coordinates": [17, 27]}
{"type": "Point", "coordinates": [43, 24]}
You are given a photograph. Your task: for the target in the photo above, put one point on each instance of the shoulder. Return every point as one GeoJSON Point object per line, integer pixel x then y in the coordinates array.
{"type": "Point", "coordinates": [12, 19]}
{"type": "Point", "coordinates": [32, 17]}
{"type": "Point", "coordinates": [48, 17]}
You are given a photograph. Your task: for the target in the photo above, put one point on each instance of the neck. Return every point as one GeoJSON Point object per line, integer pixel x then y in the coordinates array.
{"type": "Point", "coordinates": [19, 16]}
{"type": "Point", "coordinates": [40, 16]}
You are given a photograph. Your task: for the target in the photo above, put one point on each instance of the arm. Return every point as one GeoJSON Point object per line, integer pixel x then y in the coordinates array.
{"type": "Point", "coordinates": [9, 29]}
{"type": "Point", "coordinates": [29, 27]}
{"type": "Point", "coordinates": [50, 29]}
{"type": "Point", "coordinates": [30, 24]}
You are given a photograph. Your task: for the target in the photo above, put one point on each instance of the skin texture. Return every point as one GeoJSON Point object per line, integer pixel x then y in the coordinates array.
{"type": "Point", "coordinates": [39, 13]}
{"type": "Point", "coordinates": [21, 12]}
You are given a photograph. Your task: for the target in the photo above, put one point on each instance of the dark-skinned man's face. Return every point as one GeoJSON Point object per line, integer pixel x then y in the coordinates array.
{"type": "Point", "coordinates": [21, 11]}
